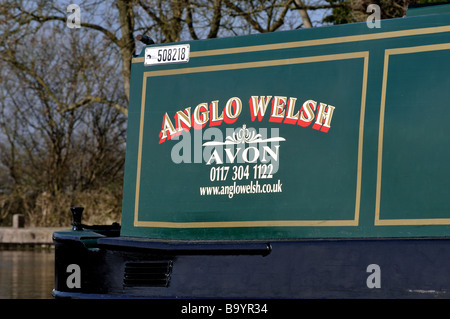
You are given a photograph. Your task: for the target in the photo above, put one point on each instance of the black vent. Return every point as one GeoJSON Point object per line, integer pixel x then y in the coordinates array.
{"type": "Point", "coordinates": [147, 274]}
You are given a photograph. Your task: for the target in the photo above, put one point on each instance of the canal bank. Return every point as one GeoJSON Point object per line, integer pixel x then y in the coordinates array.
{"type": "Point", "coordinates": [27, 237]}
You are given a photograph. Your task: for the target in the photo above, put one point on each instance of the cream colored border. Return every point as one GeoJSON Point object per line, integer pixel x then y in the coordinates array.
{"type": "Point", "coordinates": [402, 222]}
{"type": "Point", "coordinates": [235, 66]}
{"type": "Point", "coordinates": [298, 44]}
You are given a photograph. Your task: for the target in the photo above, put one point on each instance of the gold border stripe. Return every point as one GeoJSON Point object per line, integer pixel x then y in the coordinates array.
{"type": "Point", "coordinates": [346, 39]}
{"type": "Point", "coordinates": [361, 135]}
{"type": "Point", "coordinates": [258, 64]}
{"type": "Point", "coordinates": [298, 44]}
{"type": "Point", "coordinates": [420, 48]}
{"type": "Point", "coordinates": [402, 222]}
{"type": "Point", "coordinates": [274, 223]}
{"type": "Point", "coordinates": [257, 223]}
{"type": "Point", "coordinates": [139, 159]}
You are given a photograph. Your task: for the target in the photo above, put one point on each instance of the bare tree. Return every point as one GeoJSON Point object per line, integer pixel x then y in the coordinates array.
{"type": "Point", "coordinates": [119, 21]}
{"type": "Point", "coordinates": [25, 14]}
{"type": "Point", "coordinates": [53, 152]}
{"type": "Point", "coordinates": [64, 92]}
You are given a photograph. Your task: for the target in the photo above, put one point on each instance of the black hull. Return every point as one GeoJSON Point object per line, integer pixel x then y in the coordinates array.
{"type": "Point", "coordinates": [122, 267]}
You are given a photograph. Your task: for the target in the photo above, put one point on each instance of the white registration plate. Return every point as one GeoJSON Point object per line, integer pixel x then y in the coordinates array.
{"type": "Point", "coordinates": [167, 54]}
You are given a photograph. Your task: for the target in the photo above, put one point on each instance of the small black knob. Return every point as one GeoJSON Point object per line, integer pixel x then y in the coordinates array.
{"type": "Point", "coordinates": [145, 39]}
{"type": "Point", "coordinates": [77, 212]}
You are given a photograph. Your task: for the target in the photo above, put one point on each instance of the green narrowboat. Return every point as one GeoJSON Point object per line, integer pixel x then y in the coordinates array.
{"type": "Point", "coordinates": [312, 163]}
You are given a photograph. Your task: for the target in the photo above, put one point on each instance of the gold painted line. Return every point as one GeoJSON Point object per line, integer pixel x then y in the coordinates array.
{"type": "Point", "coordinates": [401, 222]}
{"type": "Point", "coordinates": [417, 49]}
{"type": "Point", "coordinates": [268, 223]}
{"type": "Point", "coordinates": [333, 57]}
{"type": "Point", "coordinates": [258, 64]}
{"type": "Point", "coordinates": [306, 43]}
{"type": "Point", "coordinates": [361, 134]}
{"type": "Point", "coordinates": [139, 161]}
{"type": "Point", "coordinates": [138, 60]}
{"type": "Point", "coordinates": [345, 39]}
{"type": "Point", "coordinates": [380, 138]}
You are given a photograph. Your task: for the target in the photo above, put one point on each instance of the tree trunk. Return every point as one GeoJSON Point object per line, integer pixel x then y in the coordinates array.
{"type": "Point", "coordinates": [127, 44]}
{"type": "Point", "coordinates": [303, 14]}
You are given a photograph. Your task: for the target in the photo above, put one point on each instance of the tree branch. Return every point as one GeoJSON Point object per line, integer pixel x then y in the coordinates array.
{"type": "Point", "coordinates": [303, 13]}
{"type": "Point", "coordinates": [190, 24]}
{"type": "Point", "coordinates": [21, 66]}
{"type": "Point", "coordinates": [217, 16]}
{"type": "Point", "coordinates": [42, 19]}
{"type": "Point", "coordinates": [245, 15]}
{"type": "Point", "coordinates": [280, 20]}
{"type": "Point", "coordinates": [94, 99]}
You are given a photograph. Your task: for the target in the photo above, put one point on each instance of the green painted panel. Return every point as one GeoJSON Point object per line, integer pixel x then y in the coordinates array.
{"type": "Point", "coordinates": [352, 141]}
{"type": "Point", "coordinates": [415, 174]}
